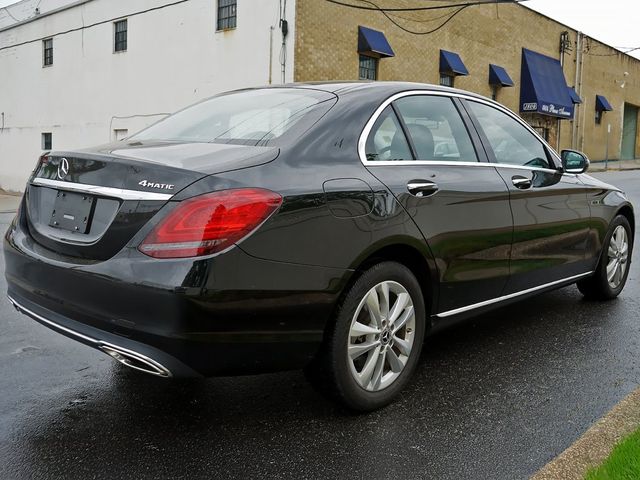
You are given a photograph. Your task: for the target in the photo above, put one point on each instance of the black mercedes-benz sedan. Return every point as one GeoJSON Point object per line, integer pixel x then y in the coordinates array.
{"type": "Point", "coordinates": [320, 226]}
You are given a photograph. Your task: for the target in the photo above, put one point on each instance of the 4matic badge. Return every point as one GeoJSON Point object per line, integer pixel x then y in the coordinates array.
{"type": "Point", "coordinates": [148, 184]}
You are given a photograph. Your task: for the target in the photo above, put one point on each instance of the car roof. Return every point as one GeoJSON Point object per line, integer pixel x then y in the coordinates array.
{"type": "Point", "coordinates": [381, 87]}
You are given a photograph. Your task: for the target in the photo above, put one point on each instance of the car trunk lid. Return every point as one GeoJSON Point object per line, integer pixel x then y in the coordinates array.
{"type": "Point", "coordinates": [89, 204]}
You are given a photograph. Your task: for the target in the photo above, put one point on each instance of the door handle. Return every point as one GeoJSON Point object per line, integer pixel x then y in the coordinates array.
{"type": "Point", "coordinates": [419, 188]}
{"type": "Point", "coordinates": [521, 182]}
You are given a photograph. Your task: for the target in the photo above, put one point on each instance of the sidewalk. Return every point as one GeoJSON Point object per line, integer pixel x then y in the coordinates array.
{"type": "Point", "coordinates": [596, 444]}
{"type": "Point", "coordinates": [9, 203]}
{"type": "Point", "coordinates": [598, 166]}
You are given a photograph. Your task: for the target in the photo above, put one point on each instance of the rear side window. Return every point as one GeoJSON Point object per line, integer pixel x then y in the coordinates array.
{"type": "Point", "coordinates": [249, 117]}
{"type": "Point", "coordinates": [436, 128]}
{"type": "Point", "coordinates": [510, 141]}
{"type": "Point", "coordinates": [386, 140]}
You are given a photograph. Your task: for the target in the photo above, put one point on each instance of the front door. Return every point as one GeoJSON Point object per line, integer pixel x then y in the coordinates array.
{"type": "Point", "coordinates": [421, 150]}
{"type": "Point", "coordinates": [550, 212]}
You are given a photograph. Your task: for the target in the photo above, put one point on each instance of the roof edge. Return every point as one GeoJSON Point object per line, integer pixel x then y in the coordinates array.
{"type": "Point", "coordinates": [43, 15]}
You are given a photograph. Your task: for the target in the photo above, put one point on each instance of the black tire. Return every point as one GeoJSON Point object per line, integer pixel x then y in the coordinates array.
{"type": "Point", "coordinates": [597, 286]}
{"type": "Point", "coordinates": [331, 371]}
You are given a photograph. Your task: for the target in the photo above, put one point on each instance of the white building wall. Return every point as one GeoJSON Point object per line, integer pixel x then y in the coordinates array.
{"type": "Point", "coordinates": [174, 58]}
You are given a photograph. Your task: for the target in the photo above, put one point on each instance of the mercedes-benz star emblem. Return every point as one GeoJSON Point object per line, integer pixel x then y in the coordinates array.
{"type": "Point", "coordinates": [63, 168]}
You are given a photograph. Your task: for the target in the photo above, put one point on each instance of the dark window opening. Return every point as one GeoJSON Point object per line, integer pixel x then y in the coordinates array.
{"type": "Point", "coordinates": [368, 68]}
{"type": "Point", "coordinates": [227, 10]}
{"type": "Point", "coordinates": [598, 117]}
{"type": "Point", "coordinates": [120, 29]}
{"type": "Point", "coordinates": [47, 140]}
{"type": "Point", "coordinates": [47, 52]}
{"type": "Point", "coordinates": [446, 80]}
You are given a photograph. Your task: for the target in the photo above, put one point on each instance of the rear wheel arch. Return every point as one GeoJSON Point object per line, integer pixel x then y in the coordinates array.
{"type": "Point", "coordinates": [411, 258]}
{"type": "Point", "coordinates": [405, 254]}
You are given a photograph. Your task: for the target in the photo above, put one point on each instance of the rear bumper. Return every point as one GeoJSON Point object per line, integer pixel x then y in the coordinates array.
{"type": "Point", "coordinates": [132, 354]}
{"type": "Point", "coordinates": [226, 315]}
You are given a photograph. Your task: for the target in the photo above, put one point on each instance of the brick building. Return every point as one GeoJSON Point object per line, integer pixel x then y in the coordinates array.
{"type": "Point", "coordinates": [326, 48]}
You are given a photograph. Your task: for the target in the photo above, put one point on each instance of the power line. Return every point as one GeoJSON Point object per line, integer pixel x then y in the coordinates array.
{"type": "Point", "coordinates": [449, 16]}
{"type": "Point", "coordinates": [418, 9]}
{"type": "Point", "coordinates": [428, 32]}
{"type": "Point", "coordinates": [10, 14]}
{"type": "Point", "coordinates": [612, 54]}
{"type": "Point", "coordinates": [102, 22]}
{"type": "Point", "coordinates": [421, 20]}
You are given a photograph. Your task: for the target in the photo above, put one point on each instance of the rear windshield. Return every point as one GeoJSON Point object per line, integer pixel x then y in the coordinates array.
{"type": "Point", "coordinates": [249, 117]}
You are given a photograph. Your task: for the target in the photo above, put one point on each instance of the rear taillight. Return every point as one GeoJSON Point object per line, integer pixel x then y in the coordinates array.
{"type": "Point", "coordinates": [210, 223]}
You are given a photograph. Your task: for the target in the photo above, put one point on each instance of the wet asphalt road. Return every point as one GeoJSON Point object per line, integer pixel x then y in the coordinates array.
{"type": "Point", "coordinates": [497, 398]}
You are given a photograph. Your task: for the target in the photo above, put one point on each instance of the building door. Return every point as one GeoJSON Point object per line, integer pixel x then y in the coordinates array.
{"type": "Point", "coordinates": [629, 132]}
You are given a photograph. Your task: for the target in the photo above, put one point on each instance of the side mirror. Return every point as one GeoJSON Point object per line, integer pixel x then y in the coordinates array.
{"type": "Point", "coordinates": [574, 161]}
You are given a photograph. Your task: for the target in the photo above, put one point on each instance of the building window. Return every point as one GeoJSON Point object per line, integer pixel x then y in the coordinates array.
{"type": "Point", "coordinates": [598, 117]}
{"type": "Point", "coordinates": [120, 134]}
{"type": "Point", "coordinates": [446, 80]}
{"type": "Point", "coordinates": [120, 36]}
{"type": "Point", "coordinates": [368, 68]}
{"type": "Point", "coordinates": [47, 139]}
{"type": "Point", "coordinates": [543, 132]}
{"type": "Point", "coordinates": [47, 52]}
{"type": "Point", "coordinates": [226, 14]}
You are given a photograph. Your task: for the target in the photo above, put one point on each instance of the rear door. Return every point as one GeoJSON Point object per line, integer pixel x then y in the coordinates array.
{"type": "Point", "coordinates": [550, 212]}
{"type": "Point", "coordinates": [420, 148]}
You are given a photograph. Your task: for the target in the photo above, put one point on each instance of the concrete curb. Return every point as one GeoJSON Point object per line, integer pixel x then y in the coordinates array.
{"type": "Point", "coordinates": [596, 444]}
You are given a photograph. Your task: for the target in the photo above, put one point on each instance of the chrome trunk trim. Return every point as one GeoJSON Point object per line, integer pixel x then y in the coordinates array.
{"type": "Point", "coordinates": [121, 193]}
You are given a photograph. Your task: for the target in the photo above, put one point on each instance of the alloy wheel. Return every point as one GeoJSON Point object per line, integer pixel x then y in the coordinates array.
{"type": "Point", "coordinates": [381, 336]}
{"type": "Point", "coordinates": [617, 256]}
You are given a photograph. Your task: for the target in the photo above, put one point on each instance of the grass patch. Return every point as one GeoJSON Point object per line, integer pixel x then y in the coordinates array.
{"type": "Point", "coordinates": [622, 464]}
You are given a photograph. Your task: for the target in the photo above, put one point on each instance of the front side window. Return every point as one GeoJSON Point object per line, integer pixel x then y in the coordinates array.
{"type": "Point", "coordinates": [47, 52]}
{"type": "Point", "coordinates": [510, 141]}
{"type": "Point", "coordinates": [436, 128]}
{"type": "Point", "coordinates": [227, 10]}
{"type": "Point", "coordinates": [368, 68]}
{"type": "Point", "coordinates": [249, 117]}
{"type": "Point", "coordinates": [120, 29]}
{"type": "Point", "coordinates": [386, 140]}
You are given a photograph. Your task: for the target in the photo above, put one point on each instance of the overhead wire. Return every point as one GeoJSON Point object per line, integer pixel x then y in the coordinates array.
{"type": "Point", "coordinates": [418, 9]}
{"type": "Point", "coordinates": [102, 22]}
{"type": "Point", "coordinates": [448, 16]}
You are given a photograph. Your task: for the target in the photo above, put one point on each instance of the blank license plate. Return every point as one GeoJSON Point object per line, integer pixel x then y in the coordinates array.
{"type": "Point", "coordinates": [72, 212]}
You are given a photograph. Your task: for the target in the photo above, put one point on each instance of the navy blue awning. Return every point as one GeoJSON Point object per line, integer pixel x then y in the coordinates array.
{"type": "Point", "coordinates": [543, 86]}
{"type": "Point", "coordinates": [374, 43]}
{"type": "Point", "coordinates": [575, 98]}
{"type": "Point", "coordinates": [451, 64]}
{"type": "Point", "coordinates": [499, 76]}
{"type": "Point", "coordinates": [602, 104]}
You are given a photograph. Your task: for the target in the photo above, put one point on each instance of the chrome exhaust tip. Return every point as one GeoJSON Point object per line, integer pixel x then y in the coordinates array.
{"type": "Point", "coordinates": [135, 360]}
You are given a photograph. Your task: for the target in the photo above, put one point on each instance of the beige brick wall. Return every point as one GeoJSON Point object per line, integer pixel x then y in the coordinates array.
{"type": "Point", "coordinates": [326, 49]}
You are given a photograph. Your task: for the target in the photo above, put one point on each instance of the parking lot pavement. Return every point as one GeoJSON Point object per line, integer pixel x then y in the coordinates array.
{"type": "Point", "coordinates": [9, 203]}
{"type": "Point", "coordinates": [495, 398]}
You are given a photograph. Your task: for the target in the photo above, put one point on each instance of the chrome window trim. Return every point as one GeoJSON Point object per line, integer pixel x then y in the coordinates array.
{"type": "Point", "coordinates": [485, 303]}
{"type": "Point", "coordinates": [362, 140]}
{"type": "Point", "coordinates": [121, 193]}
{"type": "Point", "coordinates": [438, 163]}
